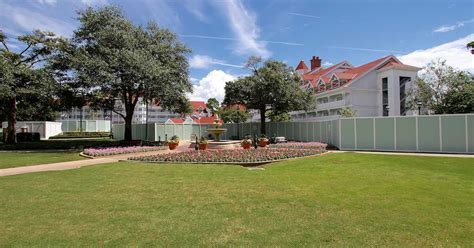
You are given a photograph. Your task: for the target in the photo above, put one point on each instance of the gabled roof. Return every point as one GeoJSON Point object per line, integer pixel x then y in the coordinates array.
{"type": "Point", "coordinates": [344, 71]}
{"type": "Point", "coordinates": [366, 67]}
{"type": "Point", "coordinates": [322, 72]}
{"type": "Point", "coordinates": [198, 104]}
{"type": "Point", "coordinates": [396, 65]}
{"type": "Point", "coordinates": [206, 120]}
{"type": "Point", "coordinates": [301, 66]}
{"type": "Point", "coordinates": [176, 120]}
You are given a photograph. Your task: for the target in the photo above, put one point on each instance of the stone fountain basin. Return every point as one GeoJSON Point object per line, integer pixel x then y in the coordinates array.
{"type": "Point", "coordinates": [220, 145]}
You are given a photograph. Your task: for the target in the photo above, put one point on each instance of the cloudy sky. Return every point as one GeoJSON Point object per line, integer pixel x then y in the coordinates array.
{"type": "Point", "coordinates": [224, 33]}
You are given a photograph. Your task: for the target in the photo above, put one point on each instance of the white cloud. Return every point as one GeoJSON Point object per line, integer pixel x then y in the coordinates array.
{"type": "Point", "coordinates": [327, 64]}
{"type": "Point", "coordinates": [204, 61]}
{"type": "Point", "coordinates": [212, 85]}
{"type": "Point", "coordinates": [454, 52]}
{"type": "Point", "coordinates": [29, 20]}
{"type": "Point", "coordinates": [243, 23]}
{"type": "Point", "coordinates": [303, 15]}
{"type": "Point", "coordinates": [446, 28]}
{"type": "Point", "coordinates": [197, 8]}
{"type": "Point", "coordinates": [234, 39]}
{"type": "Point", "coordinates": [50, 2]}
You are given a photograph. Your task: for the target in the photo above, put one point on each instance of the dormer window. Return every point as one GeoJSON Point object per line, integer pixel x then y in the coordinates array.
{"type": "Point", "coordinates": [321, 86]}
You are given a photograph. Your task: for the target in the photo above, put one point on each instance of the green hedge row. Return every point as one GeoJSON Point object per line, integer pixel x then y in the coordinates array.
{"type": "Point", "coordinates": [67, 135]}
{"type": "Point", "coordinates": [75, 144]}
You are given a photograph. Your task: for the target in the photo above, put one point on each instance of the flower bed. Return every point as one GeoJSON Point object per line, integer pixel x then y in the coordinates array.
{"type": "Point", "coordinates": [99, 152]}
{"type": "Point", "coordinates": [229, 156]}
{"type": "Point", "coordinates": [301, 145]}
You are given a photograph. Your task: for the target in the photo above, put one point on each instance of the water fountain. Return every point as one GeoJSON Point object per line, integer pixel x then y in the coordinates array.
{"type": "Point", "coordinates": [217, 143]}
{"type": "Point", "coordinates": [216, 131]}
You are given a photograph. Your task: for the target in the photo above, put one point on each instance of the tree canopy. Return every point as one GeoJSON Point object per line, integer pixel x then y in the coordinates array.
{"type": "Point", "coordinates": [212, 104]}
{"type": "Point", "coordinates": [234, 115]}
{"type": "Point", "coordinates": [112, 59]}
{"type": "Point", "coordinates": [24, 81]}
{"type": "Point", "coordinates": [443, 89]}
{"type": "Point", "coordinates": [273, 86]}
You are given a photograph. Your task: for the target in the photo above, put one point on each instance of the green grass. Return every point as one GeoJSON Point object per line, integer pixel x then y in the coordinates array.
{"type": "Point", "coordinates": [59, 144]}
{"type": "Point", "coordinates": [335, 200]}
{"type": "Point", "coordinates": [16, 159]}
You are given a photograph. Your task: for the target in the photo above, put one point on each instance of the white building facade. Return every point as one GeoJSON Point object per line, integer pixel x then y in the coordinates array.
{"type": "Point", "coordinates": [378, 88]}
{"type": "Point", "coordinates": [156, 114]}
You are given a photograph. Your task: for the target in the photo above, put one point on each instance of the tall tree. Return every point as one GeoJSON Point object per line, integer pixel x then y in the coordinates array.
{"type": "Point", "coordinates": [212, 104]}
{"type": "Point", "coordinates": [234, 115]}
{"type": "Point", "coordinates": [115, 58]}
{"type": "Point", "coordinates": [281, 117]}
{"type": "Point", "coordinates": [273, 86]}
{"type": "Point", "coordinates": [443, 89]}
{"type": "Point", "coordinates": [22, 76]}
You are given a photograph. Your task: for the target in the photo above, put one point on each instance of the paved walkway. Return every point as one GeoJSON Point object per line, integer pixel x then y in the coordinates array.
{"type": "Point", "coordinates": [182, 147]}
{"type": "Point", "coordinates": [81, 163]}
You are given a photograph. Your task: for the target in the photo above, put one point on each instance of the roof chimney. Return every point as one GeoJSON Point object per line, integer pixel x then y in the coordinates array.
{"type": "Point", "coordinates": [315, 62]}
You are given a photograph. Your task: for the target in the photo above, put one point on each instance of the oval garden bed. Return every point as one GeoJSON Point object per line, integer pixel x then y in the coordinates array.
{"type": "Point", "coordinates": [109, 151]}
{"type": "Point", "coordinates": [300, 145]}
{"type": "Point", "coordinates": [240, 157]}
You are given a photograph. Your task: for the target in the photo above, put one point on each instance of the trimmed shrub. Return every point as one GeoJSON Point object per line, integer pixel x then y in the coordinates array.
{"type": "Point", "coordinates": [28, 137]}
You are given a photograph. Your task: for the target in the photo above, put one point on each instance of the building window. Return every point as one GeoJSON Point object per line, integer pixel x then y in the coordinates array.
{"type": "Point", "coordinates": [385, 96]}
{"type": "Point", "coordinates": [403, 82]}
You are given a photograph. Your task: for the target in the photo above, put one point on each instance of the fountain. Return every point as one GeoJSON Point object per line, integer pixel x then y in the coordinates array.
{"type": "Point", "coordinates": [217, 143]}
{"type": "Point", "coordinates": [217, 130]}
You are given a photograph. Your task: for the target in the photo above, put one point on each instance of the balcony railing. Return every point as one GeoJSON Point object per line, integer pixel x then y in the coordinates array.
{"type": "Point", "coordinates": [330, 105]}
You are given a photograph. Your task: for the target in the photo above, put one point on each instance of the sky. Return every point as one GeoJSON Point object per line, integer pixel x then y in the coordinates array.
{"type": "Point", "coordinates": [224, 33]}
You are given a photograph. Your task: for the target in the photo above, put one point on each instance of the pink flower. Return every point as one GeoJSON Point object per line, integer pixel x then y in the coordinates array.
{"type": "Point", "coordinates": [97, 152]}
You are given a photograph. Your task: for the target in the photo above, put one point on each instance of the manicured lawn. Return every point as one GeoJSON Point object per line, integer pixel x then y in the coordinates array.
{"type": "Point", "coordinates": [16, 159]}
{"type": "Point", "coordinates": [356, 200]}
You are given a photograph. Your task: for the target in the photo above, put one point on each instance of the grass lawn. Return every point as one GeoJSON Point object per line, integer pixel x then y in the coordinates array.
{"type": "Point", "coordinates": [334, 200]}
{"type": "Point", "coordinates": [16, 159]}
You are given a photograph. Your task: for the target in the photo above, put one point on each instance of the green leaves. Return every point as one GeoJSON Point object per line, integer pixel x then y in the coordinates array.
{"type": "Point", "coordinates": [273, 86]}
{"type": "Point", "coordinates": [111, 58]}
{"type": "Point", "coordinates": [443, 90]}
{"type": "Point", "coordinates": [234, 115]}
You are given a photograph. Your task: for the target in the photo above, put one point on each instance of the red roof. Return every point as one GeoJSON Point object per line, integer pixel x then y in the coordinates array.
{"type": "Point", "coordinates": [206, 120]}
{"type": "Point", "coordinates": [320, 73]}
{"type": "Point", "coordinates": [366, 67]}
{"type": "Point", "coordinates": [177, 120]}
{"type": "Point", "coordinates": [197, 104]}
{"type": "Point", "coordinates": [301, 66]}
{"type": "Point", "coordinates": [350, 74]}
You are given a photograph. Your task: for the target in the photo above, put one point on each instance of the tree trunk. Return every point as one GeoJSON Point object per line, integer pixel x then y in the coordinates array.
{"type": "Point", "coordinates": [128, 126]}
{"type": "Point", "coordinates": [262, 121]}
{"type": "Point", "coordinates": [11, 116]}
{"type": "Point", "coordinates": [80, 120]}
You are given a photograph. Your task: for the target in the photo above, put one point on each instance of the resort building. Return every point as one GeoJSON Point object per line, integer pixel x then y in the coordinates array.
{"type": "Point", "coordinates": [156, 114]}
{"type": "Point", "coordinates": [377, 88]}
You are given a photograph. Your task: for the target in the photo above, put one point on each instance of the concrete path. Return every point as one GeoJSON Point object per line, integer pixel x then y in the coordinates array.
{"type": "Point", "coordinates": [81, 163]}
{"type": "Point", "coordinates": [55, 166]}
{"type": "Point", "coordinates": [182, 147]}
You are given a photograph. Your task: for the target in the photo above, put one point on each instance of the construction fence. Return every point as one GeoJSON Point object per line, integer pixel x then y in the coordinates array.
{"type": "Point", "coordinates": [434, 133]}
{"type": "Point", "coordinates": [87, 126]}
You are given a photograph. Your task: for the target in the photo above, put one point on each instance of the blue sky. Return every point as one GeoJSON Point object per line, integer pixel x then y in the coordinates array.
{"type": "Point", "coordinates": [224, 33]}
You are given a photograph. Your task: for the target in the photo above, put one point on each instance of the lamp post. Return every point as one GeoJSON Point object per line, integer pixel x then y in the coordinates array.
{"type": "Point", "coordinates": [388, 110]}
{"type": "Point", "coordinates": [419, 103]}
